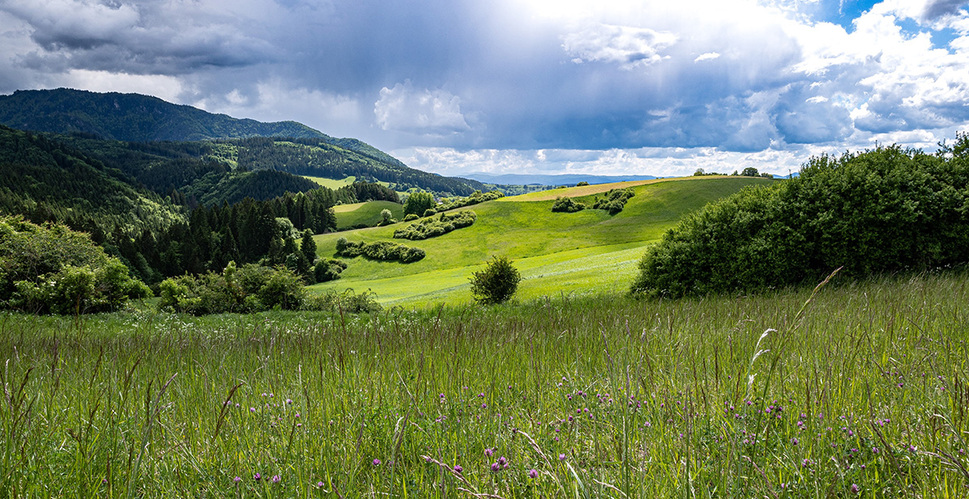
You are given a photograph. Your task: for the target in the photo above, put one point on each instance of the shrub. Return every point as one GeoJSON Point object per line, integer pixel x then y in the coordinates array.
{"type": "Point", "coordinates": [496, 283]}
{"type": "Point", "coordinates": [567, 205]}
{"type": "Point", "coordinates": [614, 200]}
{"type": "Point", "coordinates": [429, 227]}
{"type": "Point", "coordinates": [251, 288]}
{"type": "Point", "coordinates": [328, 269]}
{"type": "Point", "coordinates": [381, 251]}
{"type": "Point", "coordinates": [880, 211]}
{"type": "Point", "coordinates": [52, 269]}
{"type": "Point", "coordinates": [411, 217]}
{"type": "Point", "coordinates": [330, 301]}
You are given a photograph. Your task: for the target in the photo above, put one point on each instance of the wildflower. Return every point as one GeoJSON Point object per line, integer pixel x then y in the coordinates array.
{"type": "Point", "coordinates": [502, 462]}
{"type": "Point", "coordinates": [237, 479]}
{"type": "Point", "coordinates": [276, 479]}
{"type": "Point", "coordinates": [458, 468]}
{"type": "Point", "coordinates": [488, 452]}
{"type": "Point", "coordinates": [376, 462]}
{"type": "Point", "coordinates": [532, 473]}
{"type": "Point", "coordinates": [855, 488]}
{"type": "Point", "coordinates": [495, 467]}
{"type": "Point", "coordinates": [561, 457]}
{"type": "Point", "coordinates": [257, 477]}
{"type": "Point", "coordinates": [319, 484]}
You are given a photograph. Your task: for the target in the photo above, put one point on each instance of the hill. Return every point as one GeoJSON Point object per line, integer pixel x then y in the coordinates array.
{"type": "Point", "coordinates": [586, 252]}
{"type": "Point", "coordinates": [46, 179]}
{"type": "Point", "coordinates": [131, 117]}
{"type": "Point", "coordinates": [138, 133]}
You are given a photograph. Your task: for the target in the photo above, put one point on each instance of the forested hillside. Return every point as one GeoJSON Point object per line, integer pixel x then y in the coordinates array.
{"type": "Point", "coordinates": [167, 146]}
{"type": "Point", "coordinates": [130, 117]}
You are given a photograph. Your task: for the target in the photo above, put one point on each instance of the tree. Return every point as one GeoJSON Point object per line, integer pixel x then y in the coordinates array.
{"type": "Point", "coordinates": [308, 246]}
{"type": "Point", "coordinates": [418, 202]}
{"type": "Point", "coordinates": [496, 283]}
{"type": "Point", "coordinates": [750, 171]}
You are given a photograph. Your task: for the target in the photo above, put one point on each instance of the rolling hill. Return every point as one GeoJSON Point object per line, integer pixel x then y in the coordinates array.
{"type": "Point", "coordinates": [585, 252]}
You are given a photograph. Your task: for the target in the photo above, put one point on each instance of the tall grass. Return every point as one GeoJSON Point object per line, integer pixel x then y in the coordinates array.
{"type": "Point", "coordinates": [864, 389]}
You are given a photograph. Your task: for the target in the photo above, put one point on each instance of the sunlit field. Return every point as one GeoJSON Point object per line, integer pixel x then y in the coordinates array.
{"type": "Point", "coordinates": [858, 391]}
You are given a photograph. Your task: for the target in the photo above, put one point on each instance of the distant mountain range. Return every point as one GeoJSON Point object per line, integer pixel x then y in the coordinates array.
{"type": "Point", "coordinates": [555, 180]}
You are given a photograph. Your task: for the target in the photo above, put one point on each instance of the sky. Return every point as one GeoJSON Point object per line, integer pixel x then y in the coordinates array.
{"type": "Point", "coordinates": [605, 87]}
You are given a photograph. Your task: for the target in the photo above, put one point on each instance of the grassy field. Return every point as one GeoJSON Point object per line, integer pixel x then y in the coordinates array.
{"type": "Point", "coordinates": [332, 183]}
{"type": "Point", "coordinates": [558, 253]}
{"type": "Point", "coordinates": [858, 391]}
{"type": "Point", "coordinates": [348, 215]}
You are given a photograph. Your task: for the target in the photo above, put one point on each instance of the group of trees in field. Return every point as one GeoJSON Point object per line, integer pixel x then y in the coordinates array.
{"type": "Point", "coordinates": [613, 201]}
{"type": "Point", "coordinates": [429, 227]}
{"type": "Point", "coordinates": [879, 211]}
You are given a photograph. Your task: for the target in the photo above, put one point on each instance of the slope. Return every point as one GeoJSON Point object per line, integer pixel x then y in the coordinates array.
{"type": "Point", "coordinates": [585, 252]}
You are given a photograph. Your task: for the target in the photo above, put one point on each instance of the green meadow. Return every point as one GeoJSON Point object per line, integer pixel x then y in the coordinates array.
{"type": "Point", "coordinates": [857, 390]}
{"type": "Point", "coordinates": [582, 253]}
{"type": "Point", "coordinates": [332, 183]}
{"type": "Point", "coordinates": [348, 215]}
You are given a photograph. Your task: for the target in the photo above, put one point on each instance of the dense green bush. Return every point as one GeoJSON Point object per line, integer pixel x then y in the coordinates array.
{"type": "Point", "coordinates": [381, 251]}
{"type": "Point", "coordinates": [347, 301]}
{"type": "Point", "coordinates": [567, 205]}
{"type": "Point", "coordinates": [614, 200]}
{"type": "Point", "coordinates": [52, 269]}
{"type": "Point", "coordinates": [880, 211]}
{"type": "Point", "coordinates": [496, 283]}
{"type": "Point", "coordinates": [418, 202]}
{"type": "Point", "coordinates": [328, 269]}
{"type": "Point", "coordinates": [475, 198]}
{"type": "Point", "coordinates": [430, 227]}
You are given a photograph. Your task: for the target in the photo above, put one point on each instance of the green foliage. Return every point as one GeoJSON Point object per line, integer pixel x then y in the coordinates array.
{"type": "Point", "coordinates": [614, 200]}
{"type": "Point", "coordinates": [476, 197]}
{"type": "Point", "coordinates": [750, 171]}
{"type": "Point", "coordinates": [384, 251]}
{"type": "Point", "coordinates": [418, 202]}
{"type": "Point", "coordinates": [250, 288]}
{"type": "Point", "coordinates": [411, 217]}
{"type": "Point", "coordinates": [880, 211]}
{"type": "Point", "coordinates": [51, 269]}
{"type": "Point", "coordinates": [429, 227]}
{"type": "Point", "coordinates": [496, 283]}
{"type": "Point", "coordinates": [328, 269]}
{"type": "Point", "coordinates": [567, 205]}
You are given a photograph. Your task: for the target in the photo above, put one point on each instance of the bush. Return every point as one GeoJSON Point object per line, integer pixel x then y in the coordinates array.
{"type": "Point", "coordinates": [251, 288]}
{"type": "Point", "coordinates": [614, 200]}
{"type": "Point", "coordinates": [880, 211]}
{"type": "Point", "coordinates": [330, 301]}
{"type": "Point", "coordinates": [429, 227]}
{"type": "Point", "coordinates": [52, 269]}
{"type": "Point", "coordinates": [411, 217]}
{"type": "Point", "coordinates": [567, 205]}
{"type": "Point", "coordinates": [328, 269]}
{"type": "Point", "coordinates": [496, 283]}
{"type": "Point", "coordinates": [385, 251]}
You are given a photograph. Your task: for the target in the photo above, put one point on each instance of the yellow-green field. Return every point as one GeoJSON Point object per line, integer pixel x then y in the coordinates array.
{"type": "Point", "coordinates": [557, 253]}
{"type": "Point", "coordinates": [332, 183]}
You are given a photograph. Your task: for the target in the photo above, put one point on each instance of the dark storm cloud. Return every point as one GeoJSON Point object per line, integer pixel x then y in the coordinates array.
{"type": "Point", "coordinates": [935, 9]}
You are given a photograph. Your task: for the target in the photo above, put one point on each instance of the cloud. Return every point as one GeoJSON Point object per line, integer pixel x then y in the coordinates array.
{"type": "Point", "coordinates": [627, 46]}
{"type": "Point", "coordinates": [423, 112]}
{"type": "Point", "coordinates": [709, 56]}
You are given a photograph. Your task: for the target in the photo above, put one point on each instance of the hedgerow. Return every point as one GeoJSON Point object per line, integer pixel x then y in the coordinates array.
{"type": "Point", "coordinates": [880, 211]}
{"type": "Point", "coordinates": [381, 251]}
{"type": "Point", "coordinates": [430, 227]}
{"type": "Point", "coordinates": [614, 200]}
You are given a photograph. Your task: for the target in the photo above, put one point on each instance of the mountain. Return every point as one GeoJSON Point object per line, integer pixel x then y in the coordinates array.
{"type": "Point", "coordinates": [131, 117]}
{"type": "Point", "coordinates": [566, 179]}
{"type": "Point", "coordinates": [167, 146]}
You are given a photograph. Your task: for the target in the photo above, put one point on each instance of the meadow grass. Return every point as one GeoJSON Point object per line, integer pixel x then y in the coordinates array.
{"type": "Point", "coordinates": [859, 389]}
{"type": "Point", "coordinates": [524, 229]}
{"type": "Point", "coordinates": [332, 183]}
{"type": "Point", "coordinates": [348, 215]}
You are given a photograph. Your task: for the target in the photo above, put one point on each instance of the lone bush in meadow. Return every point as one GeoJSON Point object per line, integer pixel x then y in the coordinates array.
{"type": "Point", "coordinates": [496, 283]}
{"type": "Point", "coordinates": [880, 211]}
{"type": "Point", "coordinates": [418, 202]}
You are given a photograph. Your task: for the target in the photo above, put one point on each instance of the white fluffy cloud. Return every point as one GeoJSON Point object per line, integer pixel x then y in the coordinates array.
{"type": "Point", "coordinates": [425, 112]}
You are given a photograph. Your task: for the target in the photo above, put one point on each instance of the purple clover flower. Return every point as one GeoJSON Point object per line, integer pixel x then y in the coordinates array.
{"type": "Point", "coordinates": [532, 473]}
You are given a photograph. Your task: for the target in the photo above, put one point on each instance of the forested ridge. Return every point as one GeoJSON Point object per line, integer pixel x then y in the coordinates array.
{"type": "Point", "coordinates": [45, 179]}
